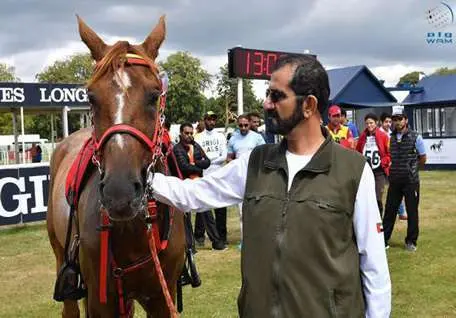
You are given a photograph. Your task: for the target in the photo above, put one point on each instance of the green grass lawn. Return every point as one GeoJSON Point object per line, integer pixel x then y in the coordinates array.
{"type": "Point", "coordinates": [424, 283]}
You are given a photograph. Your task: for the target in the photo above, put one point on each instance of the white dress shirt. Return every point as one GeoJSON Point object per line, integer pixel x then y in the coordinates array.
{"type": "Point", "coordinates": [226, 187]}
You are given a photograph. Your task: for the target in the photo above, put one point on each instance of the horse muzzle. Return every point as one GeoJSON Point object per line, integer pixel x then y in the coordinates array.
{"type": "Point", "coordinates": [123, 198]}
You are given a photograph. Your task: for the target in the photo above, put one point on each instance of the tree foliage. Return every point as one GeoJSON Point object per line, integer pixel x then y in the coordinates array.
{"type": "Point", "coordinates": [411, 78]}
{"type": "Point", "coordinates": [187, 81]}
{"type": "Point", "coordinates": [445, 71]}
{"type": "Point", "coordinates": [76, 69]}
{"type": "Point", "coordinates": [227, 91]}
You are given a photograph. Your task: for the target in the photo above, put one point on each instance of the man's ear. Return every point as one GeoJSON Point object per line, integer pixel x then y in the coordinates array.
{"type": "Point", "coordinates": [310, 106]}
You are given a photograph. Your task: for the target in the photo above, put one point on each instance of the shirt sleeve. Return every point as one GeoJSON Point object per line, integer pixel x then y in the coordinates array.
{"type": "Point", "coordinates": [224, 187]}
{"type": "Point", "coordinates": [420, 147]}
{"type": "Point", "coordinates": [371, 247]}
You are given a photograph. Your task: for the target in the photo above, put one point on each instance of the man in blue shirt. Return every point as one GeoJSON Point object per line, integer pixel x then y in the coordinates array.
{"type": "Point", "coordinates": [244, 141]}
{"type": "Point", "coordinates": [407, 154]}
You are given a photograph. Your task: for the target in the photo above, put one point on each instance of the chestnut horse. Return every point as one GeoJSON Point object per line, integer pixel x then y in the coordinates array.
{"type": "Point", "coordinates": [119, 93]}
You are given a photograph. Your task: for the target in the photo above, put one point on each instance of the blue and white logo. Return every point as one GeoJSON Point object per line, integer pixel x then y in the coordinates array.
{"type": "Point", "coordinates": [440, 17]}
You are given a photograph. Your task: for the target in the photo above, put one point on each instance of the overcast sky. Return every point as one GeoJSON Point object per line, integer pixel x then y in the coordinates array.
{"type": "Point", "coordinates": [388, 36]}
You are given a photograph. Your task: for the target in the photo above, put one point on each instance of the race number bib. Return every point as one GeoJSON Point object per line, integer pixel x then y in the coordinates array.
{"type": "Point", "coordinates": [371, 152]}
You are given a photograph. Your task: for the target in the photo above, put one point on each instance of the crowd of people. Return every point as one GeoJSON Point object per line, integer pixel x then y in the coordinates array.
{"type": "Point", "coordinates": [206, 151]}
{"type": "Point", "coordinates": [395, 153]}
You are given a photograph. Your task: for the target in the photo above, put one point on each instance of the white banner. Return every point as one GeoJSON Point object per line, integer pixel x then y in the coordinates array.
{"type": "Point", "coordinates": [440, 151]}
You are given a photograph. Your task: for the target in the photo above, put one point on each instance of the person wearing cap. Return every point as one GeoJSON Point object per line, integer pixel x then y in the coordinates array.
{"type": "Point", "coordinates": [407, 154]}
{"type": "Point", "coordinates": [374, 145]}
{"type": "Point", "coordinates": [214, 145]}
{"type": "Point", "coordinates": [340, 133]}
{"type": "Point", "coordinates": [312, 244]}
{"type": "Point", "coordinates": [385, 126]}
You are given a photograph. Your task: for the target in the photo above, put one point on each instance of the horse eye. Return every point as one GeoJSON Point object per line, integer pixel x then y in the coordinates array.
{"type": "Point", "coordinates": [152, 99]}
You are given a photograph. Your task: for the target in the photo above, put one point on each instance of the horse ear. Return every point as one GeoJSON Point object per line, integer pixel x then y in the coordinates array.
{"type": "Point", "coordinates": [95, 44]}
{"type": "Point", "coordinates": [155, 39]}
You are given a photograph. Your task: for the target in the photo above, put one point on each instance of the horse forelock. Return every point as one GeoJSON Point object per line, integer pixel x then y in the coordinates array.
{"type": "Point", "coordinates": [115, 60]}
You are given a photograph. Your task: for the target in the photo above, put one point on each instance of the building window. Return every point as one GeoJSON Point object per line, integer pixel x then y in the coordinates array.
{"type": "Point", "coordinates": [435, 121]}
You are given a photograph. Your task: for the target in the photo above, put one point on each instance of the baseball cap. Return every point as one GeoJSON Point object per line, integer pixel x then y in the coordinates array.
{"type": "Point", "coordinates": [398, 112]}
{"type": "Point", "coordinates": [334, 110]}
{"type": "Point", "coordinates": [209, 114]}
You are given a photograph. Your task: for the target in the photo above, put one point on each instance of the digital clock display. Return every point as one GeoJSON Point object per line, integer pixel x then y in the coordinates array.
{"type": "Point", "coordinates": [253, 64]}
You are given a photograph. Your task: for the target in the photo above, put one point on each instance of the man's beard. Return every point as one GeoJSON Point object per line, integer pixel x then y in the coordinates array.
{"type": "Point", "coordinates": [284, 126]}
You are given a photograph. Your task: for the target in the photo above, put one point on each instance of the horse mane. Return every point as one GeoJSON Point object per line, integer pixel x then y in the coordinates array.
{"type": "Point", "coordinates": [116, 58]}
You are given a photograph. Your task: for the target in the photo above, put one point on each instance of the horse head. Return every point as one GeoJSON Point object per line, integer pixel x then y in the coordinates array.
{"type": "Point", "coordinates": [124, 94]}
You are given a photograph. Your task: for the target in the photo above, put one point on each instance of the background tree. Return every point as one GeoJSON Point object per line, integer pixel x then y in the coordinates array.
{"type": "Point", "coordinates": [187, 81]}
{"type": "Point", "coordinates": [445, 71]}
{"type": "Point", "coordinates": [227, 91]}
{"type": "Point", "coordinates": [75, 69]}
{"type": "Point", "coordinates": [412, 78]}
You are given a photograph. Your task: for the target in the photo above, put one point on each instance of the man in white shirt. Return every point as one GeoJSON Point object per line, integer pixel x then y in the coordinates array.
{"type": "Point", "coordinates": [313, 243]}
{"type": "Point", "coordinates": [214, 145]}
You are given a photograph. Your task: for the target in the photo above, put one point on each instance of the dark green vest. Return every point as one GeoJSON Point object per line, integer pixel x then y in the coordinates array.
{"type": "Point", "coordinates": [299, 255]}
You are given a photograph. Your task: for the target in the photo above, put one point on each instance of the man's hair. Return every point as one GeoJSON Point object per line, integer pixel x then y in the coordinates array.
{"type": "Point", "coordinates": [182, 126]}
{"type": "Point", "coordinates": [343, 112]}
{"type": "Point", "coordinates": [371, 116]}
{"type": "Point", "coordinates": [253, 114]}
{"type": "Point", "coordinates": [309, 78]}
{"type": "Point", "coordinates": [243, 116]}
{"type": "Point", "coordinates": [384, 116]}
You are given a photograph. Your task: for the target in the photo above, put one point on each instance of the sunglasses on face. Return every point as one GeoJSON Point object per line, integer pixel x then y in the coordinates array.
{"type": "Point", "coordinates": [275, 95]}
{"type": "Point", "coordinates": [188, 133]}
{"type": "Point", "coordinates": [398, 118]}
{"type": "Point", "coordinates": [243, 125]}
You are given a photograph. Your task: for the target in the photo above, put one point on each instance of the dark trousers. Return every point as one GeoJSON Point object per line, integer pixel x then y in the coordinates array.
{"type": "Point", "coordinates": [220, 223]}
{"type": "Point", "coordinates": [396, 191]}
{"type": "Point", "coordinates": [204, 221]}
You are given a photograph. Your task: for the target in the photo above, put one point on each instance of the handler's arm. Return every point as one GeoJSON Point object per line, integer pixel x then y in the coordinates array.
{"type": "Point", "coordinates": [371, 247]}
{"type": "Point", "coordinates": [222, 188]}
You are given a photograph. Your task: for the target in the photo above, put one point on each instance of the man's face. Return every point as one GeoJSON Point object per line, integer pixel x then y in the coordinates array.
{"type": "Point", "coordinates": [254, 123]}
{"type": "Point", "coordinates": [244, 126]}
{"type": "Point", "coordinates": [281, 102]}
{"type": "Point", "coordinates": [210, 122]}
{"type": "Point", "coordinates": [387, 124]}
{"type": "Point", "coordinates": [335, 120]}
{"type": "Point", "coordinates": [399, 122]}
{"type": "Point", "coordinates": [187, 135]}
